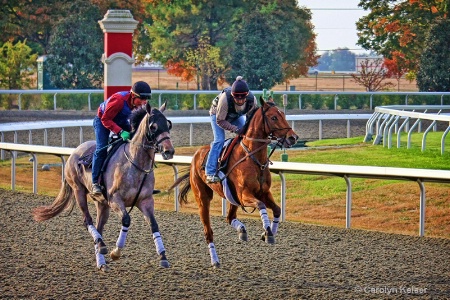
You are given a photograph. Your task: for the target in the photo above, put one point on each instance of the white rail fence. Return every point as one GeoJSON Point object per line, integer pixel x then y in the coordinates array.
{"type": "Point", "coordinates": [389, 120]}
{"type": "Point", "coordinates": [444, 96]}
{"type": "Point", "coordinates": [347, 172]}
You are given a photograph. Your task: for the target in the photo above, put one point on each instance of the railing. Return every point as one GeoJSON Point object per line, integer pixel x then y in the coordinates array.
{"type": "Point", "coordinates": [281, 168]}
{"type": "Point", "coordinates": [160, 94]}
{"type": "Point", "coordinates": [385, 122]}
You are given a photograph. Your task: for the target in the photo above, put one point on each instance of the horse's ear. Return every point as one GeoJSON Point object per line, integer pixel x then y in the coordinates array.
{"type": "Point", "coordinates": [261, 100]}
{"type": "Point", "coordinates": [163, 107]}
{"type": "Point", "coordinates": [148, 108]}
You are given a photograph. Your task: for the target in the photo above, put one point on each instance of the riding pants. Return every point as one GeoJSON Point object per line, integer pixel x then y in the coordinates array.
{"type": "Point", "coordinates": [217, 143]}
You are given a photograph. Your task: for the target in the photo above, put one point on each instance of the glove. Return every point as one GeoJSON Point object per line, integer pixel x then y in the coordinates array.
{"type": "Point", "coordinates": [125, 135]}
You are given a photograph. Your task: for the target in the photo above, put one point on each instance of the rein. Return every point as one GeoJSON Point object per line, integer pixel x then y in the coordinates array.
{"type": "Point", "coordinates": [153, 144]}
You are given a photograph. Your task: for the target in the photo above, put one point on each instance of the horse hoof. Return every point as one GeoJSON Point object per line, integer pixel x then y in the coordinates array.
{"type": "Point", "coordinates": [269, 239]}
{"type": "Point", "coordinates": [216, 265]}
{"type": "Point", "coordinates": [115, 254]}
{"type": "Point", "coordinates": [243, 235]}
{"type": "Point", "coordinates": [104, 268]}
{"type": "Point", "coordinates": [164, 264]}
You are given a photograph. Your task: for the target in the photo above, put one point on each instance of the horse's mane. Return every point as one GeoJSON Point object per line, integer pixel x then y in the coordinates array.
{"type": "Point", "coordinates": [136, 118]}
{"type": "Point", "coordinates": [250, 115]}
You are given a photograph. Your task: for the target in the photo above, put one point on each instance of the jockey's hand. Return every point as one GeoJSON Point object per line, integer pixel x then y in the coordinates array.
{"type": "Point", "coordinates": [238, 131]}
{"type": "Point", "coordinates": [125, 135]}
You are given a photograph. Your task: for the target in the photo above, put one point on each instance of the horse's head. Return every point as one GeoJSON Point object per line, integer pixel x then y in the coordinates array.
{"type": "Point", "coordinates": [275, 125]}
{"type": "Point", "coordinates": [156, 131]}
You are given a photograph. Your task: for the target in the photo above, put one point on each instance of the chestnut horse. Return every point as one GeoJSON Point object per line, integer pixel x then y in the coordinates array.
{"type": "Point", "coordinates": [128, 179]}
{"type": "Point", "coordinates": [246, 179]}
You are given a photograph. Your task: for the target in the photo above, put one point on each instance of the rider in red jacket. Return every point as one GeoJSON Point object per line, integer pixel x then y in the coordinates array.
{"type": "Point", "coordinates": [113, 116]}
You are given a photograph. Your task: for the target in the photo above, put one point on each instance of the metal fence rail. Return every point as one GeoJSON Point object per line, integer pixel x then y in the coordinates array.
{"type": "Point", "coordinates": [281, 168]}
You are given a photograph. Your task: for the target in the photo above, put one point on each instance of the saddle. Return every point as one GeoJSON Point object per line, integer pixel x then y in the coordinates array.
{"type": "Point", "coordinates": [86, 159]}
{"type": "Point", "coordinates": [226, 151]}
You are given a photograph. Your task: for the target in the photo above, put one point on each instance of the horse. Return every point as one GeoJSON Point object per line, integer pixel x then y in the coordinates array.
{"type": "Point", "coordinates": [245, 178]}
{"type": "Point", "coordinates": [128, 179]}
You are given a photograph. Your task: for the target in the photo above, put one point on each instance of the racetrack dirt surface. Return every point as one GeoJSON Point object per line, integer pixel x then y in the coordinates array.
{"type": "Point", "coordinates": [55, 260]}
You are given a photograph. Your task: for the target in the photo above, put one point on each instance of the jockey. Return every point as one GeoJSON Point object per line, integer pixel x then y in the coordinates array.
{"type": "Point", "coordinates": [227, 112]}
{"type": "Point", "coordinates": [113, 116]}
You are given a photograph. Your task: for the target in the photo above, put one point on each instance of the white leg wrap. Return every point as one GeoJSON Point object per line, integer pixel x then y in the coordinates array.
{"type": "Point", "coordinates": [236, 224]}
{"type": "Point", "coordinates": [122, 237]}
{"type": "Point", "coordinates": [274, 227]}
{"type": "Point", "coordinates": [100, 258]}
{"type": "Point", "coordinates": [93, 231]}
{"type": "Point", "coordinates": [213, 253]}
{"type": "Point", "coordinates": [264, 218]}
{"type": "Point", "coordinates": [158, 243]}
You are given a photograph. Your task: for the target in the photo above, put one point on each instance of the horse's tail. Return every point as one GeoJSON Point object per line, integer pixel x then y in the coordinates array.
{"type": "Point", "coordinates": [185, 188]}
{"type": "Point", "coordinates": [64, 201]}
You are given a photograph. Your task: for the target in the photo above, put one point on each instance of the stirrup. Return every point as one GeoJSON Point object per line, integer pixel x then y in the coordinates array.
{"type": "Point", "coordinates": [212, 178]}
{"type": "Point", "coordinates": [96, 189]}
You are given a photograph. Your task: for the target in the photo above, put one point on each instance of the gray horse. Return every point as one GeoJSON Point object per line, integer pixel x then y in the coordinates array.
{"type": "Point", "coordinates": [128, 179]}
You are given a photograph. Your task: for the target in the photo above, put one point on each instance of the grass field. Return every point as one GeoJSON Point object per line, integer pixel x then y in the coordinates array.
{"type": "Point", "coordinates": [382, 205]}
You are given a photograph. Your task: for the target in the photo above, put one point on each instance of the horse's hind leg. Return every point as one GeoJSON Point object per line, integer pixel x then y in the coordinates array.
{"type": "Point", "coordinates": [235, 223]}
{"type": "Point", "coordinates": [203, 195]}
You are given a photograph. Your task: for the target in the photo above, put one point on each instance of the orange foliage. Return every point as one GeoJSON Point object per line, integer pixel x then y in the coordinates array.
{"type": "Point", "coordinates": [181, 69]}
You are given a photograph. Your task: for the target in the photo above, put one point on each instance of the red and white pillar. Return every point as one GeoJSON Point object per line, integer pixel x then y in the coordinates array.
{"type": "Point", "coordinates": [118, 27]}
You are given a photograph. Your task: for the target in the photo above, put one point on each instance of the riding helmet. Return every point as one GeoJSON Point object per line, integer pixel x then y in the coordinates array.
{"type": "Point", "coordinates": [239, 86]}
{"type": "Point", "coordinates": [142, 90]}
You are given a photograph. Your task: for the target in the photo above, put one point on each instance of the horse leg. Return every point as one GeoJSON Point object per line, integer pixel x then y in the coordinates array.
{"type": "Point", "coordinates": [270, 203]}
{"type": "Point", "coordinates": [120, 244]}
{"type": "Point", "coordinates": [235, 223]}
{"type": "Point", "coordinates": [147, 208]}
{"type": "Point", "coordinates": [99, 247]}
{"type": "Point", "coordinates": [267, 236]}
{"type": "Point", "coordinates": [204, 195]}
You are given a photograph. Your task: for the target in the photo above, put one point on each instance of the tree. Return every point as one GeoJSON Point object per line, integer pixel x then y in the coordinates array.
{"type": "Point", "coordinates": [372, 75]}
{"type": "Point", "coordinates": [399, 26]}
{"type": "Point", "coordinates": [434, 72]}
{"type": "Point", "coordinates": [76, 49]}
{"type": "Point", "coordinates": [396, 67]}
{"type": "Point", "coordinates": [17, 65]}
{"type": "Point", "coordinates": [30, 20]}
{"type": "Point", "coordinates": [256, 56]}
{"type": "Point", "coordinates": [180, 27]}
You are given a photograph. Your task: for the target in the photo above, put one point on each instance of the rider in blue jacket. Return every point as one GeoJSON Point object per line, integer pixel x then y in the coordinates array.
{"type": "Point", "coordinates": [113, 116]}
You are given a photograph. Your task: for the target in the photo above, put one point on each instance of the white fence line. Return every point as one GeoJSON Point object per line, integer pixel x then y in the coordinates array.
{"type": "Point", "coordinates": [281, 168]}
{"type": "Point", "coordinates": [161, 93]}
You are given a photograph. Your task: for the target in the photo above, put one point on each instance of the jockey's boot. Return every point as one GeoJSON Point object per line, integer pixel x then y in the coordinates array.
{"type": "Point", "coordinates": [96, 189]}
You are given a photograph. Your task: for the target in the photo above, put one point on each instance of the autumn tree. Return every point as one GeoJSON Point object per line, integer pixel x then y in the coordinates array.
{"type": "Point", "coordinates": [394, 26]}
{"type": "Point", "coordinates": [30, 20]}
{"type": "Point", "coordinates": [397, 66]}
{"type": "Point", "coordinates": [372, 75]}
{"type": "Point", "coordinates": [434, 72]}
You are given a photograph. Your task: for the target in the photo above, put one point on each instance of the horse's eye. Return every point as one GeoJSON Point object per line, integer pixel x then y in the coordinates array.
{"type": "Point", "coordinates": [169, 124]}
{"type": "Point", "coordinates": [154, 127]}
{"type": "Point", "coordinates": [274, 118]}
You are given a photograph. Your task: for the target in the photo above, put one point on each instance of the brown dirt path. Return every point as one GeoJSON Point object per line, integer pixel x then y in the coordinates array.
{"type": "Point", "coordinates": [55, 260]}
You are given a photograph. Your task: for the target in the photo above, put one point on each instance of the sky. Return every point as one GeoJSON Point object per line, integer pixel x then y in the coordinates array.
{"type": "Point", "coordinates": [334, 22]}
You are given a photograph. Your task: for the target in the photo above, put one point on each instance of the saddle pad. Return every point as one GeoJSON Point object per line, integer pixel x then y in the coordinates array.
{"type": "Point", "coordinates": [226, 189]}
